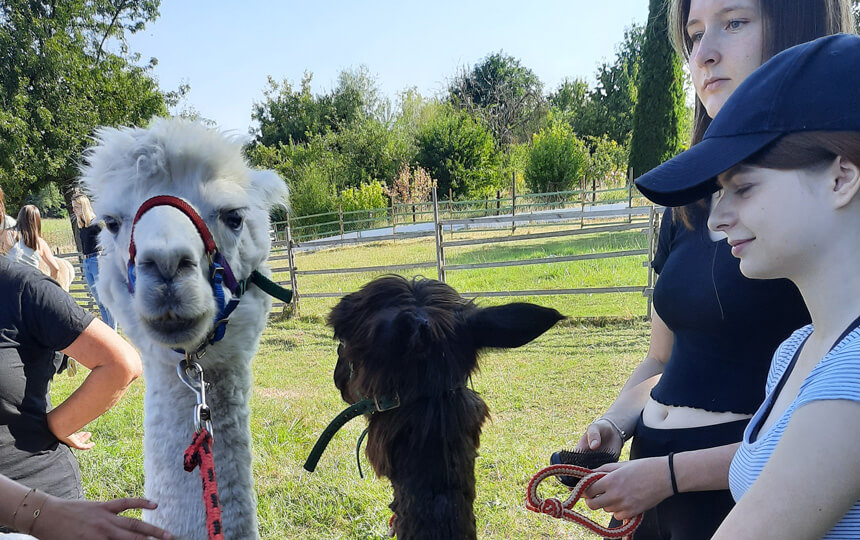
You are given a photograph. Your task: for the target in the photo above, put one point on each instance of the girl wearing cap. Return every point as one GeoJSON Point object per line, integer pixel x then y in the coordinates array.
{"type": "Point", "coordinates": [713, 331]}
{"type": "Point", "coordinates": [786, 153]}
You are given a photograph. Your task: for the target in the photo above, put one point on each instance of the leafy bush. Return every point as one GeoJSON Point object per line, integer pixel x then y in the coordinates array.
{"type": "Point", "coordinates": [557, 160]}
{"type": "Point", "coordinates": [369, 151]}
{"type": "Point", "coordinates": [312, 192]}
{"type": "Point", "coordinates": [411, 185]}
{"type": "Point", "coordinates": [365, 206]}
{"type": "Point", "coordinates": [370, 196]}
{"type": "Point", "coordinates": [459, 153]}
{"type": "Point", "coordinates": [607, 163]}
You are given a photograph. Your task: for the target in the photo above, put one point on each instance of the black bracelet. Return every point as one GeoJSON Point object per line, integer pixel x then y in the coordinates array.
{"type": "Point", "coordinates": [672, 473]}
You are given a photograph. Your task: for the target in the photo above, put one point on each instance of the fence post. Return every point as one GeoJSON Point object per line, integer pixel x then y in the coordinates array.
{"type": "Point", "coordinates": [582, 204]}
{"type": "Point", "coordinates": [393, 218]}
{"type": "Point", "coordinates": [437, 224]}
{"type": "Point", "coordinates": [340, 219]}
{"type": "Point", "coordinates": [513, 202]}
{"type": "Point", "coordinates": [451, 209]}
{"type": "Point", "coordinates": [291, 261]}
{"type": "Point", "coordinates": [653, 223]}
{"type": "Point", "coordinates": [629, 193]}
{"type": "Point", "coordinates": [498, 201]}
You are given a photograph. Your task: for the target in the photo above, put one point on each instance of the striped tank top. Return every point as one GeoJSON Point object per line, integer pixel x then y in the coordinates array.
{"type": "Point", "coordinates": [836, 376]}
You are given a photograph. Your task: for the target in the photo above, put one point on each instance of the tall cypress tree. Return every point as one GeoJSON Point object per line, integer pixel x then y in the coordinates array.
{"type": "Point", "coordinates": [657, 118]}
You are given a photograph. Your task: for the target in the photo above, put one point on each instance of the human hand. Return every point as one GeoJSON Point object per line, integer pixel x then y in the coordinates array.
{"type": "Point", "coordinates": [79, 440]}
{"type": "Point", "coordinates": [600, 436]}
{"type": "Point", "coordinates": [631, 487]}
{"type": "Point", "coordinates": [63, 519]}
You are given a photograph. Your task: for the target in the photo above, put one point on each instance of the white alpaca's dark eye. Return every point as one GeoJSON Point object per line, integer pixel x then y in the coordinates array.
{"type": "Point", "coordinates": [112, 224]}
{"type": "Point", "coordinates": [232, 218]}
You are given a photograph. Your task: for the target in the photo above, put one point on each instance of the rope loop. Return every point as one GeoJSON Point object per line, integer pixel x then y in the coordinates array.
{"type": "Point", "coordinates": [564, 509]}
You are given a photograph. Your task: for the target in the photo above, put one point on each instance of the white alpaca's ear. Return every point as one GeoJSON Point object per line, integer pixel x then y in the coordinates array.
{"type": "Point", "coordinates": [271, 187]}
{"type": "Point", "coordinates": [847, 181]}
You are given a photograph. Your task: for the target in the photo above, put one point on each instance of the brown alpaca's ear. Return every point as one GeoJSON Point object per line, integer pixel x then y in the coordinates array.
{"type": "Point", "coordinates": [511, 325]}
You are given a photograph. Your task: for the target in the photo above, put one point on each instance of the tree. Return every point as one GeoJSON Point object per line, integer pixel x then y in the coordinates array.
{"type": "Point", "coordinates": [297, 115]}
{"type": "Point", "coordinates": [557, 160]}
{"type": "Point", "coordinates": [459, 153]}
{"type": "Point", "coordinates": [58, 82]}
{"type": "Point", "coordinates": [504, 94]}
{"type": "Point", "coordinates": [570, 99]}
{"type": "Point", "coordinates": [660, 111]}
{"type": "Point", "coordinates": [609, 109]}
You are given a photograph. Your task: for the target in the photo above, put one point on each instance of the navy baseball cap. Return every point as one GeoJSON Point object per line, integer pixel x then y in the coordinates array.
{"type": "Point", "coordinates": [810, 87]}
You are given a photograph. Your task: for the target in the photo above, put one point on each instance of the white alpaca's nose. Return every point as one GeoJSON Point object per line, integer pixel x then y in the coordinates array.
{"type": "Point", "coordinates": [164, 266]}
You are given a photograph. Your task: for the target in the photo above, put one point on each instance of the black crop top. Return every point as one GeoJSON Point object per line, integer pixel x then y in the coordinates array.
{"type": "Point", "coordinates": [90, 238]}
{"type": "Point", "coordinates": [726, 327]}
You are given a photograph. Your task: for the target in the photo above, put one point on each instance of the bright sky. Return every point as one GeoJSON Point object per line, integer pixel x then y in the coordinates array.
{"type": "Point", "coordinates": [226, 49]}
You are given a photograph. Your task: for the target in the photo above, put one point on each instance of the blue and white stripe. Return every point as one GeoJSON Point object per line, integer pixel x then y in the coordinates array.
{"type": "Point", "coordinates": [836, 376]}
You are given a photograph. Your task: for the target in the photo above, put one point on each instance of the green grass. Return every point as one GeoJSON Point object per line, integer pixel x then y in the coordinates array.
{"type": "Point", "coordinates": [58, 233]}
{"type": "Point", "coordinates": [621, 271]}
{"type": "Point", "coordinates": [541, 396]}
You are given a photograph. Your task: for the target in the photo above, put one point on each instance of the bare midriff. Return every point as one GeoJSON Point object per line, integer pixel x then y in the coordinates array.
{"type": "Point", "coordinates": [659, 416]}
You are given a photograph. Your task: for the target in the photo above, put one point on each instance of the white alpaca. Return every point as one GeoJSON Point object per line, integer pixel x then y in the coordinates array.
{"type": "Point", "coordinates": [173, 307]}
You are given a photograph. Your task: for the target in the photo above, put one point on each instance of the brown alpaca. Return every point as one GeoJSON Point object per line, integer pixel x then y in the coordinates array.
{"type": "Point", "coordinates": [419, 341]}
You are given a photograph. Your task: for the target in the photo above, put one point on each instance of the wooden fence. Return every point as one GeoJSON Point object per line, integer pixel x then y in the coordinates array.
{"type": "Point", "coordinates": [447, 220]}
{"type": "Point", "coordinates": [581, 220]}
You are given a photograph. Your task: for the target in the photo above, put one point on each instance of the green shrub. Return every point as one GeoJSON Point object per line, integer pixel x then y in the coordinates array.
{"type": "Point", "coordinates": [369, 196]}
{"type": "Point", "coordinates": [607, 162]}
{"type": "Point", "coordinates": [459, 153]}
{"type": "Point", "coordinates": [557, 160]}
{"type": "Point", "coordinates": [312, 192]}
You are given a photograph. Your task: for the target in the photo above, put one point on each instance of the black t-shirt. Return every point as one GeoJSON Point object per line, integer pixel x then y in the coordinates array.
{"type": "Point", "coordinates": [90, 238]}
{"type": "Point", "coordinates": [726, 326]}
{"type": "Point", "coordinates": [37, 318]}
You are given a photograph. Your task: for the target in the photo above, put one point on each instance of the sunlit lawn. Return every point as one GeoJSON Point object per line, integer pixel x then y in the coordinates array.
{"type": "Point", "coordinates": [541, 396]}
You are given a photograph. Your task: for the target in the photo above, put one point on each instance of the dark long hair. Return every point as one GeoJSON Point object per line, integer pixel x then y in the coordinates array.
{"type": "Point", "coordinates": [785, 23]}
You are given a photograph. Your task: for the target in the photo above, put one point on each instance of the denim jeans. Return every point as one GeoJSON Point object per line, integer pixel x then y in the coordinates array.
{"type": "Point", "coordinates": [91, 273]}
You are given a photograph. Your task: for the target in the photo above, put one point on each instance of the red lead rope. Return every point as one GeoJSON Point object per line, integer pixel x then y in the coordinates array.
{"type": "Point", "coordinates": [200, 453]}
{"type": "Point", "coordinates": [564, 510]}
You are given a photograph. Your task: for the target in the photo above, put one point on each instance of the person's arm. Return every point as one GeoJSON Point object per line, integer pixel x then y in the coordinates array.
{"type": "Point", "coordinates": [810, 480]}
{"type": "Point", "coordinates": [633, 487]}
{"type": "Point", "coordinates": [114, 364]}
{"type": "Point", "coordinates": [633, 396]}
{"type": "Point", "coordinates": [59, 519]}
{"type": "Point", "coordinates": [48, 257]}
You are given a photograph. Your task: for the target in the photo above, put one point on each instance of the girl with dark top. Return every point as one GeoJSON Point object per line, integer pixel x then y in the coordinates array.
{"type": "Point", "coordinates": [713, 331]}
{"type": "Point", "coordinates": [784, 157]}
{"type": "Point", "coordinates": [38, 318]}
{"type": "Point", "coordinates": [89, 230]}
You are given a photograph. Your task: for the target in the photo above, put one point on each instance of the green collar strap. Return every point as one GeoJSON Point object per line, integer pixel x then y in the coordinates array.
{"type": "Point", "coordinates": [365, 406]}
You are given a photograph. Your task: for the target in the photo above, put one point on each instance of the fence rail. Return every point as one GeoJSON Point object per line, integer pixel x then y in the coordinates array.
{"type": "Point", "coordinates": [445, 221]}
{"type": "Point", "coordinates": [340, 222]}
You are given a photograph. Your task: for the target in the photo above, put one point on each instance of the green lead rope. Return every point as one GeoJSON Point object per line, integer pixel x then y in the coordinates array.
{"type": "Point", "coordinates": [365, 406]}
{"type": "Point", "coordinates": [270, 287]}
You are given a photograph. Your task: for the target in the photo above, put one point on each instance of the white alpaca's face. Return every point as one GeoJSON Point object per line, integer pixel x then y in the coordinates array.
{"type": "Point", "coordinates": [173, 303]}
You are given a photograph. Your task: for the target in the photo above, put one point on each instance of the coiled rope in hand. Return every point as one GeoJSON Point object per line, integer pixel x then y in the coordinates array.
{"type": "Point", "coordinates": [564, 509]}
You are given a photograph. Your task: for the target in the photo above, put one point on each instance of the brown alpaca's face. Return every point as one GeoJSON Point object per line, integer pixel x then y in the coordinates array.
{"type": "Point", "coordinates": [420, 338]}
{"type": "Point", "coordinates": [343, 372]}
